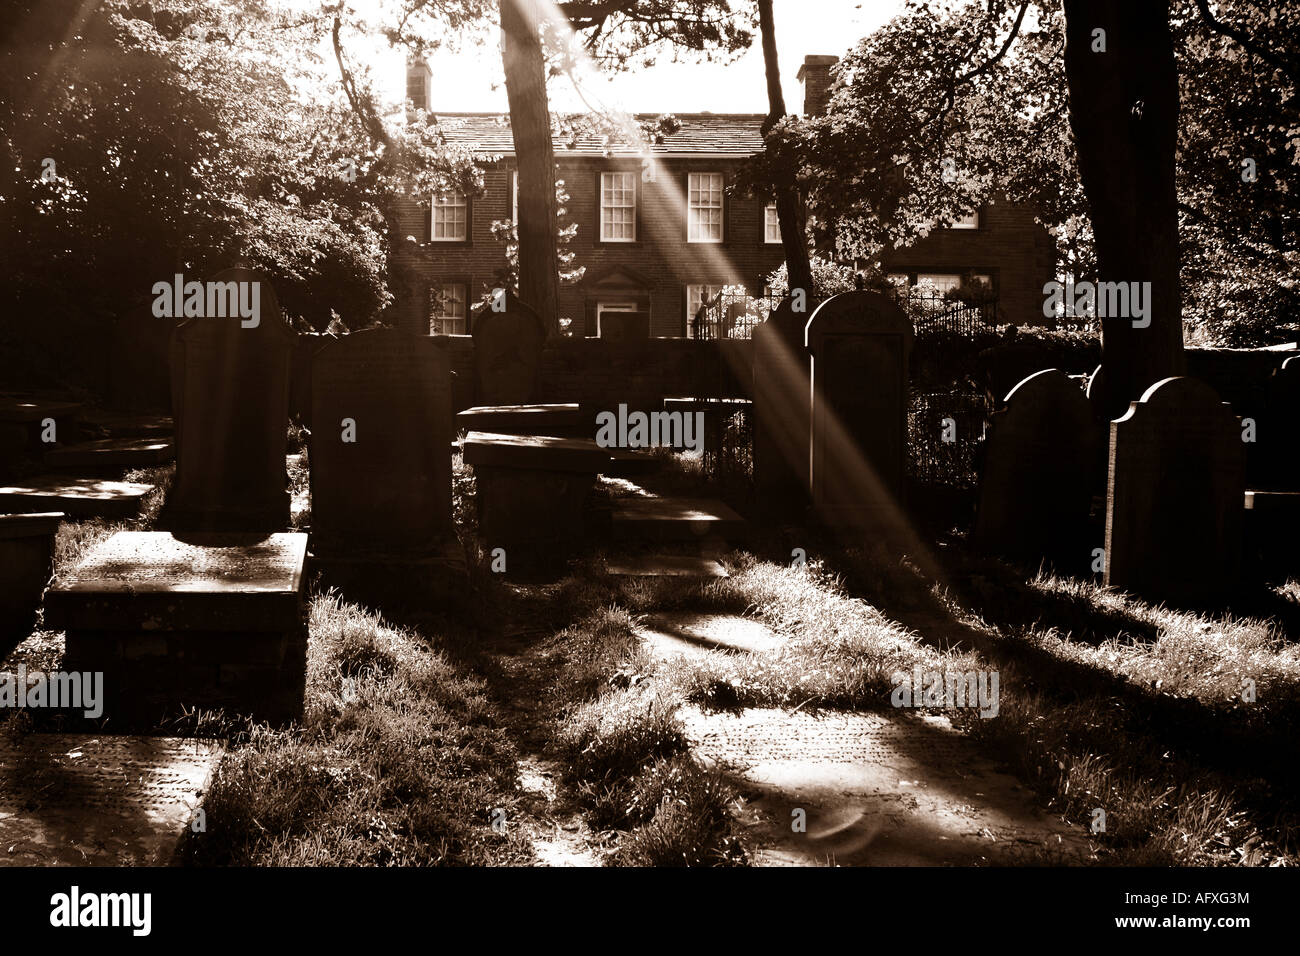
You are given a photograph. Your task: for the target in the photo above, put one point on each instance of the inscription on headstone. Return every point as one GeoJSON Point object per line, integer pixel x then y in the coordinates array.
{"type": "Point", "coordinates": [1174, 500]}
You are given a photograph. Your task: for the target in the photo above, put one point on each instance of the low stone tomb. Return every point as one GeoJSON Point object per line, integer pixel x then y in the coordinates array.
{"type": "Point", "coordinates": [26, 562]}
{"type": "Point", "coordinates": [212, 620]}
{"type": "Point", "coordinates": [531, 490]}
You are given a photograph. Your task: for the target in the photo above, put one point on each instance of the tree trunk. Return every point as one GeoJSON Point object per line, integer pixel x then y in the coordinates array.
{"type": "Point", "coordinates": [790, 211]}
{"type": "Point", "coordinates": [530, 123]}
{"type": "Point", "coordinates": [1124, 114]}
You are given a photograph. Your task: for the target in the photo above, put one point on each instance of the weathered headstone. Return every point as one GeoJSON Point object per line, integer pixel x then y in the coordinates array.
{"type": "Point", "coordinates": [26, 562]}
{"type": "Point", "coordinates": [380, 454]}
{"type": "Point", "coordinates": [1036, 490]}
{"type": "Point", "coordinates": [381, 468]}
{"type": "Point", "coordinates": [204, 620]}
{"type": "Point", "coordinates": [1175, 494]}
{"type": "Point", "coordinates": [507, 352]}
{"type": "Point", "coordinates": [781, 412]}
{"type": "Point", "coordinates": [230, 389]}
{"type": "Point", "coordinates": [859, 343]}
{"type": "Point", "coordinates": [1279, 429]}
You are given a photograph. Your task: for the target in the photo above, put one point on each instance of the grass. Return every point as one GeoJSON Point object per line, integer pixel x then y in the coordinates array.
{"type": "Point", "coordinates": [399, 760]}
{"type": "Point", "coordinates": [625, 757]}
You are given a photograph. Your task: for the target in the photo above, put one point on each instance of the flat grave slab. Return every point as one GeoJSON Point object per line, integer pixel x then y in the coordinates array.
{"type": "Point", "coordinates": [675, 633]}
{"type": "Point", "coordinates": [628, 463]}
{"type": "Point", "coordinates": [674, 518]}
{"type": "Point", "coordinates": [213, 620]}
{"type": "Point", "coordinates": [130, 424]}
{"type": "Point", "coordinates": [564, 421]}
{"type": "Point", "coordinates": [73, 800]}
{"type": "Point", "coordinates": [22, 409]}
{"type": "Point", "coordinates": [214, 580]}
{"type": "Point", "coordinates": [112, 453]}
{"type": "Point", "coordinates": [81, 497]}
{"type": "Point", "coordinates": [534, 452]}
{"type": "Point", "coordinates": [665, 565]}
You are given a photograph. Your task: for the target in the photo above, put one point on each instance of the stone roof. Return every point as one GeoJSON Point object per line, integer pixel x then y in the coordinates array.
{"type": "Point", "coordinates": [703, 134]}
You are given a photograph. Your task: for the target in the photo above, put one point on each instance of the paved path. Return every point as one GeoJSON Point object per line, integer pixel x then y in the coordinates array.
{"type": "Point", "coordinates": [874, 790]}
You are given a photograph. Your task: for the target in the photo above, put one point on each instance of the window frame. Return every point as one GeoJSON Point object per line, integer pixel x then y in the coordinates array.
{"type": "Point", "coordinates": [440, 285]}
{"type": "Point", "coordinates": [434, 206]}
{"type": "Point", "coordinates": [635, 206]}
{"type": "Point", "coordinates": [768, 240]}
{"type": "Point", "coordinates": [721, 207]}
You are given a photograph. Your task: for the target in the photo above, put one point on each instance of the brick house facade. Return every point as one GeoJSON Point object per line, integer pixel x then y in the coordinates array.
{"type": "Point", "coordinates": [655, 228]}
{"type": "Point", "coordinates": [658, 227]}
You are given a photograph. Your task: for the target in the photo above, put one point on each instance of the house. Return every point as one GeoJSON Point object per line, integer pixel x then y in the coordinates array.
{"type": "Point", "coordinates": [659, 230]}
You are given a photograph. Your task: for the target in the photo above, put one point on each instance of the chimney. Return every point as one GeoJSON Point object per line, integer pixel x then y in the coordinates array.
{"type": "Point", "coordinates": [419, 82]}
{"type": "Point", "coordinates": [815, 75]}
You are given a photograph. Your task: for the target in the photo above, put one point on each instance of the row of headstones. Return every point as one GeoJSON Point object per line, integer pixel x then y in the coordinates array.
{"type": "Point", "coordinates": [831, 399]}
{"type": "Point", "coordinates": [382, 424]}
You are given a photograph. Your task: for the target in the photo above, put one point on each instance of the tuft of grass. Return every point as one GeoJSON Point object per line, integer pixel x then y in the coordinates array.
{"type": "Point", "coordinates": [399, 760]}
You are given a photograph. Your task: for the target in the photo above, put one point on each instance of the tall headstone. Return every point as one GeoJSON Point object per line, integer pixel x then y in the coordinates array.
{"type": "Point", "coordinates": [230, 388]}
{"type": "Point", "coordinates": [781, 412]}
{"type": "Point", "coordinates": [1279, 429]}
{"type": "Point", "coordinates": [859, 344]}
{"type": "Point", "coordinates": [507, 352]}
{"type": "Point", "coordinates": [381, 449]}
{"type": "Point", "coordinates": [1036, 490]}
{"type": "Point", "coordinates": [1175, 495]}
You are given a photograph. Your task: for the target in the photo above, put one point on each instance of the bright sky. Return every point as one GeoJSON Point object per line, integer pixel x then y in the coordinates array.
{"type": "Point", "coordinates": [802, 26]}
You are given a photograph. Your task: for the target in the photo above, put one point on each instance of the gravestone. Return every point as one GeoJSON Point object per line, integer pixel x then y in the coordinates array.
{"type": "Point", "coordinates": [859, 344]}
{"type": "Point", "coordinates": [230, 392]}
{"type": "Point", "coordinates": [530, 493]}
{"type": "Point", "coordinates": [1279, 429]}
{"type": "Point", "coordinates": [26, 562]}
{"type": "Point", "coordinates": [200, 620]}
{"type": "Point", "coordinates": [1036, 489]}
{"type": "Point", "coordinates": [381, 468]}
{"type": "Point", "coordinates": [1175, 494]}
{"type": "Point", "coordinates": [507, 352]}
{"type": "Point", "coordinates": [781, 412]}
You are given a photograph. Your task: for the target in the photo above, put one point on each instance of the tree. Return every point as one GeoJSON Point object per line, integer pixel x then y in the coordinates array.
{"type": "Point", "coordinates": [612, 33]}
{"type": "Point", "coordinates": [530, 124]}
{"type": "Point", "coordinates": [789, 204]}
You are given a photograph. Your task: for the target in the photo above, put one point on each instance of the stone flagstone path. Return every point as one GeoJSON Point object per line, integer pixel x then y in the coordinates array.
{"type": "Point", "coordinates": [74, 800]}
{"type": "Point", "coordinates": [875, 790]}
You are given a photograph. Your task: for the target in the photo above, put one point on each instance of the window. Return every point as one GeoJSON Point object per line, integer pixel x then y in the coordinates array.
{"type": "Point", "coordinates": [514, 196]}
{"type": "Point", "coordinates": [968, 222]}
{"type": "Point", "coordinates": [450, 217]}
{"type": "Point", "coordinates": [704, 207]}
{"type": "Point", "coordinates": [447, 308]}
{"type": "Point", "coordinates": [982, 280]}
{"type": "Point", "coordinates": [938, 282]}
{"type": "Point", "coordinates": [618, 207]}
{"type": "Point", "coordinates": [696, 296]}
{"type": "Point", "coordinates": [771, 224]}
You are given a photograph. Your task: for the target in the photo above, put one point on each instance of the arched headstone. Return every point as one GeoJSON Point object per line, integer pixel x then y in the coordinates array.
{"type": "Point", "coordinates": [1175, 495]}
{"type": "Point", "coordinates": [1036, 489]}
{"type": "Point", "coordinates": [507, 352]}
{"type": "Point", "coordinates": [859, 344]}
